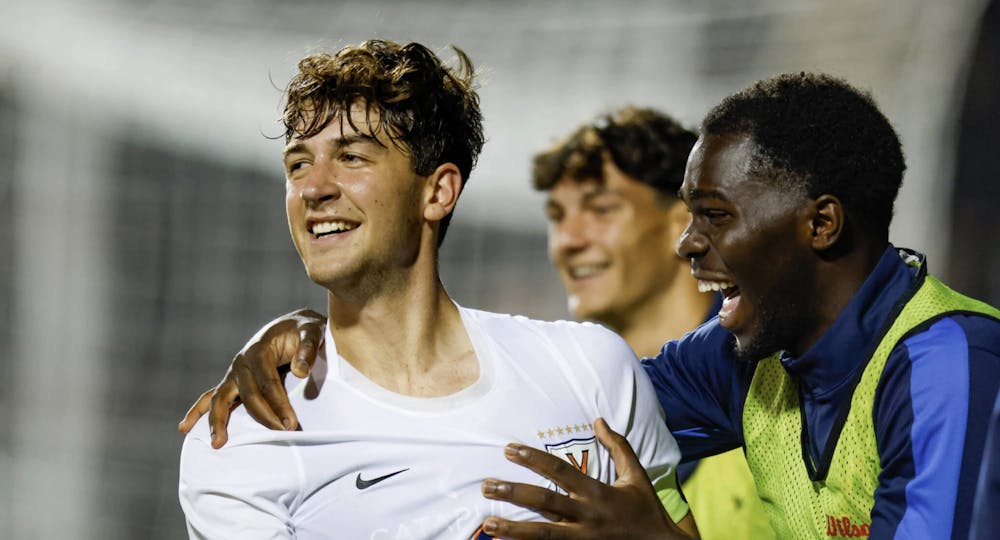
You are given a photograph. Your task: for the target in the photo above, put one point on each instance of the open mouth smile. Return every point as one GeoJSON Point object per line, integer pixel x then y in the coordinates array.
{"type": "Point", "coordinates": [320, 229]}
{"type": "Point", "coordinates": [730, 299]}
{"type": "Point", "coordinates": [586, 270]}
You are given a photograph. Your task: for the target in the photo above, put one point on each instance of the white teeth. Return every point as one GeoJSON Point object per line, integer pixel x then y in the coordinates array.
{"type": "Point", "coordinates": [585, 271]}
{"type": "Point", "coordinates": [707, 286]}
{"type": "Point", "coordinates": [325, 227]}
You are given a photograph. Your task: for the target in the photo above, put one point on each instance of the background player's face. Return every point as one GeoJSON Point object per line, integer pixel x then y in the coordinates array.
{"type": "Point", "coordinates": [612, 242]}
{"type": "Point", "coordinates": [353, 204]}
{"type": "Point", "coordinates": [751, 238]}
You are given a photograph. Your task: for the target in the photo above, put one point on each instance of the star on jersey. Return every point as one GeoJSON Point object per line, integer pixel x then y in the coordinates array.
{"type": "Point", "coordinates": [561, 430]}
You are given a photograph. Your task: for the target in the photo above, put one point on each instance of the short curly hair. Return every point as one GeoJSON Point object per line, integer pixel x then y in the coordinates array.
{"type": "Point", "coordinates": [829, 135]}
{"type": "Point", "coordinates": [645, 144]}
{"type": "Point", "coordinates": [428, 110]}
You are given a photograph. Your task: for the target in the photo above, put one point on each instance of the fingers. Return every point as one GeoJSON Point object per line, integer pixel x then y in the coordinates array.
{"type": "Point", "coordinates": [554, 506]}
{"type": "Point", "coordinates": [626, 462]}
{"type": "Point", "coordinates": [264, 382]}
{"type": "Point", "coordinates": [250, 394]}
{"type": "Point", "coordinates": [310, 337]}
{"type": "Point", "coordinates": [224, 398]}
{"type": "Point", "coordinates": [529, 530]}
{"type": "Point", "coordinates": [196, 411]}
{"type": "Point", "coordinates": [566, 476]}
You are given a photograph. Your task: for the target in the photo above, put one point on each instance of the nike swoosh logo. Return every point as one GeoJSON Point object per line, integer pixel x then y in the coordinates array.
{"type": "Point", "coordinates": [365, 484]}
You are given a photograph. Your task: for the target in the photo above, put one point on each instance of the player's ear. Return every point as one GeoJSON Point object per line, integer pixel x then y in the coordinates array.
{"type": "Point", "coordinates": [826, 222]}
{"type": "Point", "coordinates": [441, 191]}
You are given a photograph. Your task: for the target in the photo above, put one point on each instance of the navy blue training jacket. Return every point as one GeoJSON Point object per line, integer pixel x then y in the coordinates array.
{"type": "Point", "coordinates": [932, 405]}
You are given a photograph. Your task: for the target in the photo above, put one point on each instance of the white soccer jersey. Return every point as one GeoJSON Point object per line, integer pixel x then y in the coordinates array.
{"type": "Point", "coordinates": [372, 464]}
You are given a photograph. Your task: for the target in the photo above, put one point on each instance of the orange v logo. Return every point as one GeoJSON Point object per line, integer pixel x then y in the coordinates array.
{"type": "Point", "coordinates": [580, 466]}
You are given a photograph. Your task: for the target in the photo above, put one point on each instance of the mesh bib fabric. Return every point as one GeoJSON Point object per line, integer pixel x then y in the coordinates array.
{"type": "Point", "coordinates": [840, 503]}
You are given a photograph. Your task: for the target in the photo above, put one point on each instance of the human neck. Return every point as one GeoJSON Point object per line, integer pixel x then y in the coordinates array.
{"type": "Point", "coordinates": [679, 309]}
{"type": "Point", "coordinates": [834, 285]}
{"type": "Point", "coordinates": [408, 338]}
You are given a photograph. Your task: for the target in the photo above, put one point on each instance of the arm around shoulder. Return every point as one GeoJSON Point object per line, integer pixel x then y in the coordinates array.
{"type": "Point", "coordinates": [702, 387]}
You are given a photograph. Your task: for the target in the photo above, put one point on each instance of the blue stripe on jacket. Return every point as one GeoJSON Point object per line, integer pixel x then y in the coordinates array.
{"type": "Point", "coordinates": [923, 402]}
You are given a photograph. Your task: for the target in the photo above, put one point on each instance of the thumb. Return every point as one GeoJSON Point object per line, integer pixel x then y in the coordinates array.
{"type": "Point", "coordinates": [626, 463]}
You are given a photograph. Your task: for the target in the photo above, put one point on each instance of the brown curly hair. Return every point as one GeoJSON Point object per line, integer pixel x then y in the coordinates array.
{"type": "Point", "coordinates": [645, 144]}
{"type": "Point", "coordinates": [428, 110]}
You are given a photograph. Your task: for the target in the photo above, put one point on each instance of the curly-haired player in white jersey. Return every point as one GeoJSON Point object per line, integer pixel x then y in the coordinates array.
{"type": "Point", "coordinates": [413, 397]}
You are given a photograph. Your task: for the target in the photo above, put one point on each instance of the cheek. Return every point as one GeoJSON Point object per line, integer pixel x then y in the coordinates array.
{"type": "Point", "coordinates": [759, 259]}
{"type": "Point", "coordinates": [612, 234]}
{"type": "Point", "coordinates": [642, 244]}
{"type": "Point", "coordinates": [553, 250]}
{"type": "Point", "coordinates": [292, 204]}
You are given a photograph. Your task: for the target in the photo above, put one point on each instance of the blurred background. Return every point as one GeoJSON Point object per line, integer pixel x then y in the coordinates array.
{"type": "Point", "coordinates": [142, 234]}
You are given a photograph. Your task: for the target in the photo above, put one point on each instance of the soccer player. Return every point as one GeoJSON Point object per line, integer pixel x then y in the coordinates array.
{"type": "Point", "coordinates": [859, 386]}
{"type": "Point", "coordinates": [412, 397]}
{"type": "Point", "coordinates": [614, 222]}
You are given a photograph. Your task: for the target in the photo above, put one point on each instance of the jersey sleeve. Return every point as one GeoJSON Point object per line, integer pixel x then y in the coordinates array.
{"type": "Point", "coordinates": [634, 412]}
{"type": "Point", "coordinates": [931, 417]}
{"type": "Point", "coordinates": [238, 491]}
{"type": "Point", "coordinates": [701, 386]}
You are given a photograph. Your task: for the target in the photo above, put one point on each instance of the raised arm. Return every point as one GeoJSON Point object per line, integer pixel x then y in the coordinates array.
{"type": "Point", "coordinates": [255, 375]}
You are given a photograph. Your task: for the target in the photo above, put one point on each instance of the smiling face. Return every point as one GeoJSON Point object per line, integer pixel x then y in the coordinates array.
{"type": "Point", "coordinates": [749, 237]}
{"type": "Point", "coordinates": [612, 243]}
{"type": "Point", "coordinates": [353, 203]}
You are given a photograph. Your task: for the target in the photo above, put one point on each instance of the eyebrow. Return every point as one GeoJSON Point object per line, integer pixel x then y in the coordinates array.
{"type": "Point", "coordinates": [337, 143]}
{"type": "Point", "coordinates": [600, 191]}
{"type": "Point", "coordinates": [587, 197]}
{"type": "Point", "coordinates": [701, 194]}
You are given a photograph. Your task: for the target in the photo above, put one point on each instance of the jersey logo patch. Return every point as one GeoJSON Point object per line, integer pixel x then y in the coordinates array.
{"type": "Point", "coordinates": [365, 484]}
{"type": "Point", "coordinates": [580, 453]}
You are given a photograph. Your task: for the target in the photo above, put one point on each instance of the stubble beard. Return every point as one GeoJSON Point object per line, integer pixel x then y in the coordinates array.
{"type": "Point", "coordinates": [782, 319]}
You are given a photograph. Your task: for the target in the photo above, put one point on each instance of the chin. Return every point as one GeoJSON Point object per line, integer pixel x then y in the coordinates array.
{"type": "Point", "coordinates": [753, 347]}
{"type": "Point", "coordinates": [324, 277]}
{"type": "Point", "coordinates": [583, 311]}
{"type": "Point", "coordinates": [581, 314]}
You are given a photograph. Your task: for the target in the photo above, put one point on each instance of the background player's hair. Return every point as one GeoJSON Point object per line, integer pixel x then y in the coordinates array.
{"type": "Point", "coordinates": [828, 135]}
{"type": "Point", "coordinates": [428, 110]}
{"type": "Point", "coordinates": [645, 144]}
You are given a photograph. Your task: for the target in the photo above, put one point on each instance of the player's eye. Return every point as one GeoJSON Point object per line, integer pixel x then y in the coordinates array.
{"type": "Point", "coordinates": [352, 159]}
{"type": "Point", "coordinates": [293, 167]}
{"type": "Point", "coordinates": [715, 216]}
{"type": "Point", "coordinates": [604, 209]}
